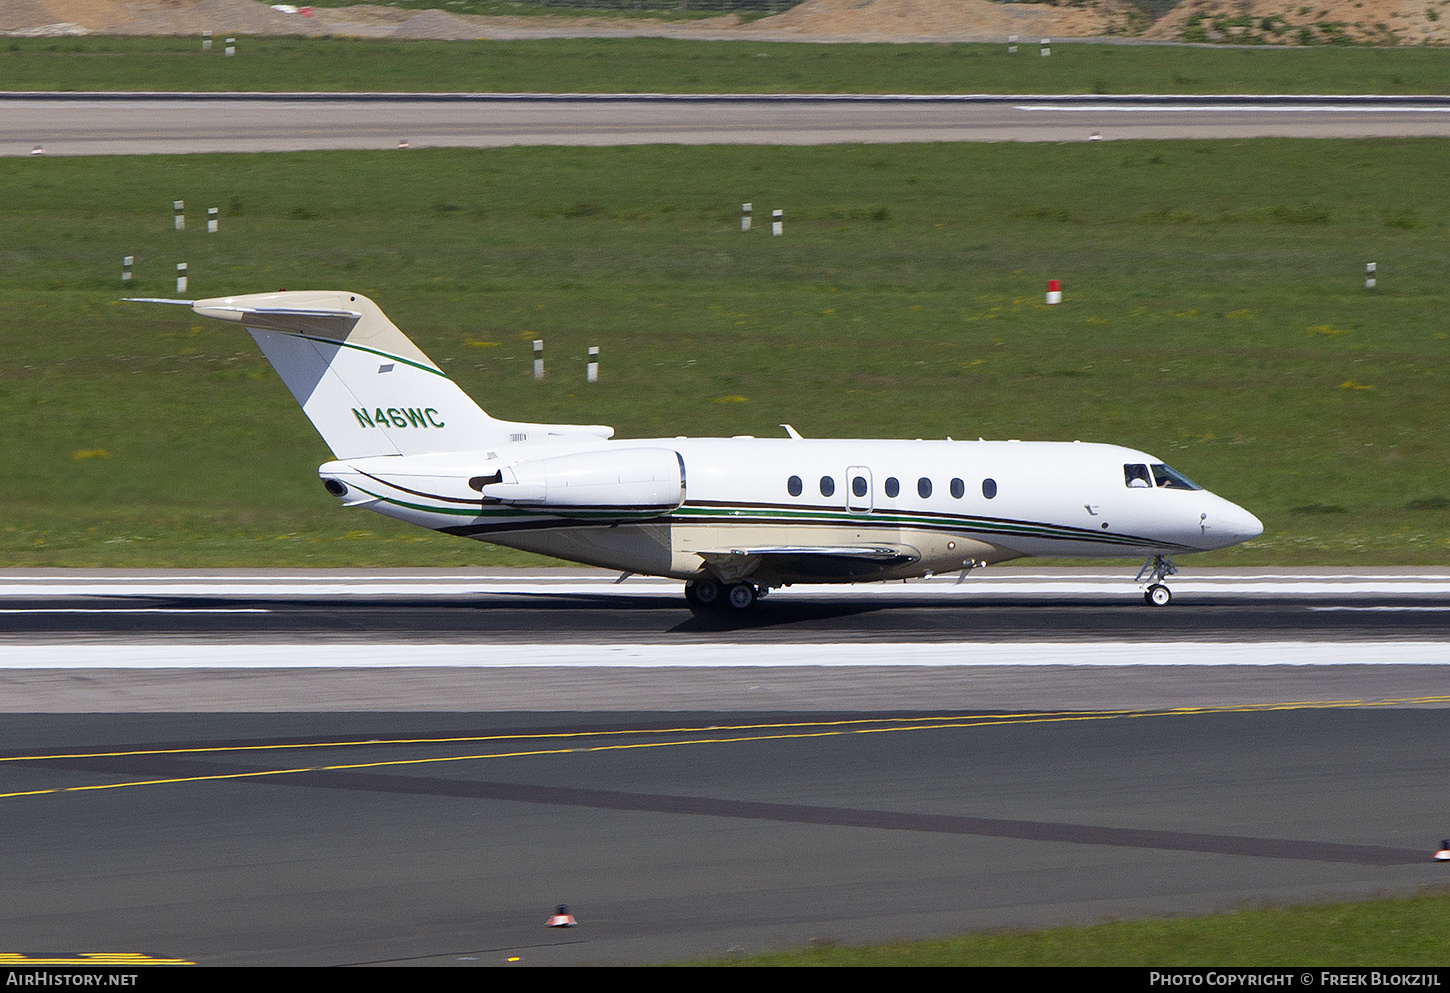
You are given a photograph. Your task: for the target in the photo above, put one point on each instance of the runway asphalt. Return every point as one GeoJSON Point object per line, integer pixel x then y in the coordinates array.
{"type": "Point", "coordinates": [1012, 638]}
{"type": "Point", "coordinates": [416, 768]}
{"type": "Point", "coordinates": [134, 124]}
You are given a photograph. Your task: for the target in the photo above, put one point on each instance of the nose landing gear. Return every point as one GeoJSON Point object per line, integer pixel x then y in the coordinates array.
{"type": "Point", "coordinates": [1159, 567]}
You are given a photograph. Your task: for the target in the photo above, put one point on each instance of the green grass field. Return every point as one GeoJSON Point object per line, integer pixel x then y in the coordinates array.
{"type": "Point", "coordinates": [1378, 933]}
{"type": "Point", "coordinates": [1215, 315]}
{"type": "Point", "coordinates": [656, 65]}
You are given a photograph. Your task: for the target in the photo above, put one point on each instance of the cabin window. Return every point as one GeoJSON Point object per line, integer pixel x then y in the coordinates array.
{"type": "Point", "coordinates": [923, 487]}
{"type": "Point", "coordinates": [1136, 477]}
{"type": "Point", "coordinates": [858, 486]}
{"type": "Point", "coordinates": [959, 489]}
{"type": "Point", "coordinates": [1173, 480]}
{"type": "Point", "coordinates": [893, 486]}
{"type": "Point", "coordinates": [794, 486]}
{"type": "Point", "coordinates": [989, 488]}
{"type": "Point", "coordinates": [828, 486]}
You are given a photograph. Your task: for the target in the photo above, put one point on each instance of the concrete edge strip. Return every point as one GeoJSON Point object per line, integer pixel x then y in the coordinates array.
{"type": "Point", "coordinates": [986, 655]}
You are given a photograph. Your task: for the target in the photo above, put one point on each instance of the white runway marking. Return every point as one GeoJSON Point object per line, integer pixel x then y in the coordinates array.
{"type": "Point", "coordinates": [986, 583]}
{"type": "Point", "coordinates": [1229, 108]}
{"type": "Point", "coordinates": [134, 610]}
{"type": "Point", "coordinates": [1385, 608]}
{"type": "Point", "coordinates": [713, 656]}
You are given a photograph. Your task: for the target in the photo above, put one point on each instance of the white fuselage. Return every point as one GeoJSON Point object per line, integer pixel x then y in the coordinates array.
{"type": "Point", "coordinates": [939, 505]}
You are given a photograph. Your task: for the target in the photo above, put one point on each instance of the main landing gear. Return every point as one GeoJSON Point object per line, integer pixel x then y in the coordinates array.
{"type": "Point", "coordinates": [711, 594]}
{"type": "Point", "coordinates": [1158, 568]}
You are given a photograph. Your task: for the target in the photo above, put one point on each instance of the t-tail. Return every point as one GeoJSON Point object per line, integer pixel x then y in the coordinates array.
{"type": "Point", "coordinates": [365, 386]}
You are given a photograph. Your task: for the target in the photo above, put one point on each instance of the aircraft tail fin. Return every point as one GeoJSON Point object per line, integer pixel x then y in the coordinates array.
{"type": "Point", "coordinates": [365, 386]}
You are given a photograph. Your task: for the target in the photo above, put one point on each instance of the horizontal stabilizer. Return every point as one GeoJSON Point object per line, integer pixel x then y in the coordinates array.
{"type": "Point", "coordinates": [368, 389]}
{"type": "Point", "coordinates": [303, 320]}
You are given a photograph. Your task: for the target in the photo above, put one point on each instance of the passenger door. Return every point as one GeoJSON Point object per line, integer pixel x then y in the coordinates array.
{"type": "Point", "coordinates": [858, 489]}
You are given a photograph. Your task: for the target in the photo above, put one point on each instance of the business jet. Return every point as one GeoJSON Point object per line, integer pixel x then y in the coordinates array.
{"type": "Point", "coordinates": [733, 518]}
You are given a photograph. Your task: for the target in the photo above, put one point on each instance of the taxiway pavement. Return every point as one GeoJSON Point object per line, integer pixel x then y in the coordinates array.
{"type": "Point", "coordinates": [160, 123]}
{"type": "Point", "coordinates": [317, 839]}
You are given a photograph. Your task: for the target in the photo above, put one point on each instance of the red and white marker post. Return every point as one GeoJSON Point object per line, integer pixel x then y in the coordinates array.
{"type": "Point", "coordinates": [1054, 291]}
{"type": "Point", "coordinates": [561, 918]}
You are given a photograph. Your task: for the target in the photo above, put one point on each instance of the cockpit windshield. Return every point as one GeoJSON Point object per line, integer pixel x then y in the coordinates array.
{"type": "Point", "coordinates": [1172, 479]}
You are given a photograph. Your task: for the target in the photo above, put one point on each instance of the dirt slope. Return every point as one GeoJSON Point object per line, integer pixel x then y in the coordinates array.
{"type": "Point", "coordinates": [1277, 22]}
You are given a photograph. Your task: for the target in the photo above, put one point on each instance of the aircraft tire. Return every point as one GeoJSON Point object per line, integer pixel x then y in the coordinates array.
{"type": "Point", "coordinates": [703, 593]}
{"type": "Point", "coordinates": [1157, 595]}
{"type": "Point", "coordinates": [741, 596]}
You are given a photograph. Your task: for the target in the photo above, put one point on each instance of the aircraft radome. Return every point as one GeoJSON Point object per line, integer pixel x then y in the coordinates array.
{"type": "Point", "coordinates": [732, 517]}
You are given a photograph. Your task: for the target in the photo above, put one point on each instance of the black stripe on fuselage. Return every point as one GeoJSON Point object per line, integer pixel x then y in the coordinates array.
{"type": "Point", "coordinates": [1079, 534]}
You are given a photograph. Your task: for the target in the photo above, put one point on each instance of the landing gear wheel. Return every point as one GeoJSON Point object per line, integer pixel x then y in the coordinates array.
{"type": "Point", "coordinates": [703, 592]}
{"type": "Point", "coordinates": [1158, 595]}
{"type": "Point", "coordinates": [742, 596]}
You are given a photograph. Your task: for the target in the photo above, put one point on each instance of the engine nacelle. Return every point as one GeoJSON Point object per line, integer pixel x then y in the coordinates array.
{"type": "Point", "coordinates": [632, 481]}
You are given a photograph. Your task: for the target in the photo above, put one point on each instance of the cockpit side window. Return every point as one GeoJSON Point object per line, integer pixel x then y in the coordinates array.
{"type": "Point", "coordinates": [1172, 479]}
{"type": "Point", "coordinates": [1136, 477]}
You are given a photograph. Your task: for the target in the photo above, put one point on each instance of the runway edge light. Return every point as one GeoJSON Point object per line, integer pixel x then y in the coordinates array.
{"type": "Point", "coordinates": [561, 918]}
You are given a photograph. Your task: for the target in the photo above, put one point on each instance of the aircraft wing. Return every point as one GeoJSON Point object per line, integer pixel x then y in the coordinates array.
{"type": "Point", "coordinates": [806, 562]}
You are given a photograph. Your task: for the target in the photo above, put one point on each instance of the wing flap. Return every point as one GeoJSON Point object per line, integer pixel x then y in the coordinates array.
{"type": "Point", "coordinates": [806, 563]}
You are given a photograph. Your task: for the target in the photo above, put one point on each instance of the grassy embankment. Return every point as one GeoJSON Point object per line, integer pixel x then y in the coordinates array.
{"type": "Point", "coordinates": [1379, 933]}
{"type": "Point", "coordinates": [1215, 315]}
{"type": "Point", "coordinates": [649, 65]}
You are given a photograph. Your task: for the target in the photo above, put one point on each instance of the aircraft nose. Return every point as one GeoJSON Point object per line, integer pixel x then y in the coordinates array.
{"type": "Point", "coordinates": [1239, 524]}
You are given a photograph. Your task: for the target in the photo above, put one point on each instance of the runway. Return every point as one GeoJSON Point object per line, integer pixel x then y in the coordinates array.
{"type": "Point", "coordinates": [1013, 638]}
{"type": "Point", "coordinates": [158, 123]}
{"type": "Point", "coordinates": [347, 768]}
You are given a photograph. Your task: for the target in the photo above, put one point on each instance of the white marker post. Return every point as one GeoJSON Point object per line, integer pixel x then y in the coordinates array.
{"type": "Point", "coordinates": [777, 222]}
{"type": "Point", "coordinates": [591, 371]}
{"type": "Point", "coordinates": [231, 48]}
{"type": "Point", "coordinates": [211, 219]}
{"type": "Point", "coordinates": [1011, 44]}
{"type": "Point", "coordinates": [181, 277]}
{"type": "Point", "coordinates": [126, 262]}
{"type": "Point", "coordinates": [206, 41]}
{"type": "Point", "coordinates": [1046, 47]}
{"type": "Point", "coordinates": [1054, 291]}
{"type": "Point", "coordinates": [538, 358]}
{"type": "Point", "coordinates": [178, 210]}
{"type": "Point", "coordinates": [1369, 273]}
{"type": "Point", "coordinates": [745, 216]}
